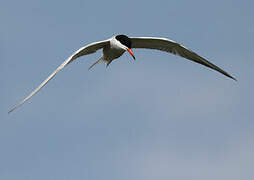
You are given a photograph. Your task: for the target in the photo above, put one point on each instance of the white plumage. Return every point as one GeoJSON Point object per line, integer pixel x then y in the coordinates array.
{"type": "Point", "coordinates": [117, 45]}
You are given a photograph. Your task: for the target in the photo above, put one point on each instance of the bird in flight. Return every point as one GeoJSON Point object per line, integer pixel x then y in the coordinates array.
{"type": "Point", "coordinates": [114, 47]}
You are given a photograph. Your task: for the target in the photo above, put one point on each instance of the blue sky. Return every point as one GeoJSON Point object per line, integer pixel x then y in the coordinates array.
{"type": "Point", "coordinates": [159, 117]}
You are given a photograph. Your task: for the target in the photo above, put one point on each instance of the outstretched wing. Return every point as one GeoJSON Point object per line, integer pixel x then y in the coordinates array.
{"type": "Point", "coordinates": [175, 48]}
{"type": "Point", "coordinates": [89, 49]}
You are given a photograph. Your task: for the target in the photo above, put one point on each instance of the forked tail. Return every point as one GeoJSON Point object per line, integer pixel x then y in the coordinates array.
{"type": "Point", "coordinates": [96, 62]}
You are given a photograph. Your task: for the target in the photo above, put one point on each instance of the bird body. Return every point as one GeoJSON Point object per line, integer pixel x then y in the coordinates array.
{"type": "Point", "coordinates": [112, 51]}
{"type": "Point", "coordinates": [114, 47]}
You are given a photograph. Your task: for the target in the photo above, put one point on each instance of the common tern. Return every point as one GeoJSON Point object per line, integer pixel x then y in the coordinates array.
{"type": "Point", "coordinates": [114, 47]}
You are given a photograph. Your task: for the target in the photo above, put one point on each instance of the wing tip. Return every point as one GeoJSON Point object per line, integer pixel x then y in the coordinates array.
{"type": "Point", "coordinates": [10, 111]}
{"type": "Point", "coordinates": [16, 107]}
{"type": "Point", "coordinates": [234, 78]}
{"type": "Point", "coordinates": [228, 75]}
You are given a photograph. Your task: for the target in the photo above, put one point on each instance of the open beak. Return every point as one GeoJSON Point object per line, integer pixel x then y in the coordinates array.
{"type": "Point", "coordinates": [131, 53]}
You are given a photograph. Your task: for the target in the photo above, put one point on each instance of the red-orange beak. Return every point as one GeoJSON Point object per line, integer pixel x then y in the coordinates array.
{"type": "Point", "coordinates": [131, 53]}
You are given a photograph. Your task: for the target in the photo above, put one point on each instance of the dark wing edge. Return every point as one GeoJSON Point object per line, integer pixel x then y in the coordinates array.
{"type": "Point", "coordinates": [175, 48]}
{"type": "Point", "coordinates": [89, 49]}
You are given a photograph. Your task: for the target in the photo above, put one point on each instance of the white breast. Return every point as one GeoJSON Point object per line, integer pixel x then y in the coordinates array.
{"type": "Point", "coordinates": [114, 50]}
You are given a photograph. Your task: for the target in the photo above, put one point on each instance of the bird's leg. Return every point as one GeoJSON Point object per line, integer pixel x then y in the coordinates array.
{"type": "Point", "coordinates": [108, 62]}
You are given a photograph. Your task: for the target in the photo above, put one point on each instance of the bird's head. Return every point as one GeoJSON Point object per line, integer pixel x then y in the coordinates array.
{"type": "Point", "coordinates": [125, 41]}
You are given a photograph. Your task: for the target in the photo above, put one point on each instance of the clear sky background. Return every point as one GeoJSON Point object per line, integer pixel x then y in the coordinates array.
{"type": "Point", "coordinates": [159, 117]}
